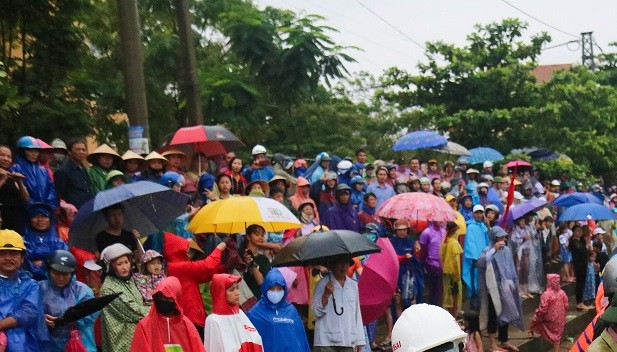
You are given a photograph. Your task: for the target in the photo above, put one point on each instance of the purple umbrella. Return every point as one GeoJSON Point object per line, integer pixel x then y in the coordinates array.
{"type": "Point", "coordinates": [531, 205]}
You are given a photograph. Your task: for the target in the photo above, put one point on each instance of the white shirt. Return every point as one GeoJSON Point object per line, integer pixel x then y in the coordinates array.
{"type": "Point", "coordinates": [343, 330]}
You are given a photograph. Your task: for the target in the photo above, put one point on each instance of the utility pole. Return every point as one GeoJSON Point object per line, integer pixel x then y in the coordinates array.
{"type": "Point", "coordinates": [133, 67]}
{"type": "Point", "coordinates": [189, 86]}
{"type": "Point", "coordinates": [588, 59]}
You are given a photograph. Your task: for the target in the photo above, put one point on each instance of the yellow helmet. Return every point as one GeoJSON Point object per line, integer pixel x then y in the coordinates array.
{"type": "Point", "coordinates": [11, 241]}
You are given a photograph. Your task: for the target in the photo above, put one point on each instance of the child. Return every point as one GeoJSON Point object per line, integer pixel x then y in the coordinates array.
{"type": "Point", "coordinates": [472, 328]}
{"type": "Point", "coordinates": [589, 292]}
{"type": "Point", "coordinates": [451, 251]}
{"type": "Point", "coordinates": [550, 318]}
{"type": "Point", "coordinates": [601, 260]}
{"type": "Point", "coordinates": [153, 273]}
{"type": "Point", "coordinates": [566, 256]}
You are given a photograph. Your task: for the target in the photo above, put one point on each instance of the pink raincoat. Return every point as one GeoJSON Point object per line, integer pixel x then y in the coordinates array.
{"type": "Point", "coordinates": [550, 318]}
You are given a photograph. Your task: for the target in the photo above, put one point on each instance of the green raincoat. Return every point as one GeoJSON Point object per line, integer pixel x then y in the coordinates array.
{"type": "Point", "coordinates": [98, 178]}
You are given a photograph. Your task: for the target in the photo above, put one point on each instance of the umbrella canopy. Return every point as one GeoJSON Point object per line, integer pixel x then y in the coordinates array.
{"type": "Point", "coordinates": [587, 211]}
{"type": "Point", "coordinates": [520, 210]}
{"type": "Point", "coordinates": [570, 199]}
{"type": "Point", "coordinates": [417, 206]}
{"type": "Point", "coordinates": [320, 247]}
{"type": "Point", "coordinates": [419, 140]}
{"type": "Point", "coordinates": [85, 308]}
{"type": "Point", "coordinates": [452, 148]}
{"type": "Point", "coordinates": [519, 163]}
{"type": "Point", "coordinates": [148, 208]}
{"type": "Point", "coordinates": [482, 154]}
{"type": "Point", "coordinates": [233, 215]}
{"type": "Point", "coordinates": [210, 140]}
{"type": "Point", "coordinates": [380, 270]}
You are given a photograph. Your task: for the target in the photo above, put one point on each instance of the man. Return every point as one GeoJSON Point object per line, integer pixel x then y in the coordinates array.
{"type": "Point", "coordinates": [115, 233]}
{"type": "Point", "coordinates": [336, 304]}
{"type": "Point", "coordinates": [21, 310]}
{"type": "Point", "coordinates": [476, 240]}
{"type": "Point", "coordinates": [488, 196]}
{"type": "Point", "coordinates": [324, 166]}
{"type": "Point", "coordinates": [360, 165]}
{"type": "Point", "coordinates": [342, 215]}
{"type": "Point", "coordinates": [71, 179]}
{"type": "Point", "coordinates": [463, 164]}
{"type": "Point", "coordinates": [60, 154]}
{"type": "Point", "coordinates": [381, 189]}
{"type": "Point", "coordinates": [260, 168]}
{"type": "Point", "coordinates": [430, 241]}
{"type": "Point", "coordinates": [414, 167]}
{"type": "Point", "coordinates": [553, 191]}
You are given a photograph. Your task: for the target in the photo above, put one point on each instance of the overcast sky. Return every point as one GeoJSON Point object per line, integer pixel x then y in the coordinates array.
{"type": "Point", "coordinates": [451, 21]}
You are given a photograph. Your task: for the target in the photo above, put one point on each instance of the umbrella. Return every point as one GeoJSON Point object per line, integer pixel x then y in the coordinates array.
{"type": "Point", "coordinates": [570, 199]}
{"type": "Point", "coordinates": [380, 270]}
{"type": "Point", "coordinates": [210, 140]}
{"type": "Point", "coordinates": [532, 204]}
{"type": "Point", "coordinates": [518, 163]}
{"type": "Point", "coordinates": [587, 211]}
{"type": "Point", "coordinates": [417, 206]}
{"type": "Point", "coordinates": [85, 308]}
{"type": "Point", "coordinates": [419, 140]}
{"type": "Point", "coordinates": [148, 208]}
{"type": "Point", "coordinates": [233, 215]}
{"type": "Point", "coordinates": [320, 247]}
{"type": "Point", "coordinates": [452, 148]}
{"type": "Point", "coordinates": [482, 154]}
{"type": "Point", "coordinates": [544, 154]}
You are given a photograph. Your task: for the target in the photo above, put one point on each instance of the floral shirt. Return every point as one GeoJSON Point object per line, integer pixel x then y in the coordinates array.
{"type": "Point", "coordinates": [146, 283]}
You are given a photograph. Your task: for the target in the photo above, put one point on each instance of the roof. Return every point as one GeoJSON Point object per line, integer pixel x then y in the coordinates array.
{"type": "Point", "coordinates": [544, 73]}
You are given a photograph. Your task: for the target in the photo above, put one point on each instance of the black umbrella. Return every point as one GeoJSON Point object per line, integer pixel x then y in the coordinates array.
{"type": "Point", "coordinates": [321, 247]}
{"type": "Point", "coordinates": [85, 308]}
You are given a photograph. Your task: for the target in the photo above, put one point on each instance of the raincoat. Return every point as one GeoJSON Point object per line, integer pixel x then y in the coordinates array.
{"type": "Point", "coordinates": [279, 325]}
{"type": "Point", "coordinates": [155, 331]}
{"type": "Point", "coordinates": [467, 212]}
{"type": "Point", "coordinates": [342, 217]}
{"type": "Point", "coordinates": [476, 240]}
{"type": "Point", "coordinates": [20, 299]}
{"type": "Point", "coordinates": [550, 318]}
{"type": "Point", "coordinates": [228, 329]}
{"type": "Point", "coordinates": [263, 173]}
{"type": "Point", "coordinates": [56, 301]}
{"type": "Point", "coordinates": [411, 273]}
{"type": "Point", "coordinates": [39, 184]}
{"type": "Point", "coordinates": [190, 273]}
{"type": "Point", "coordinates": [298, 198]}
{"type": "Point", "coordinates": [40, 245]}
{"type": "Point", "coordinates": [121, 316]}
{"type": "Point", "coordinates": [98, 178]}
{"type": "Point", "coordinates": [357, 197]}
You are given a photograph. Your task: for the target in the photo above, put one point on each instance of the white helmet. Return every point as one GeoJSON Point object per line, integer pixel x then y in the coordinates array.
{"type": "Point", "coordinates": [424, 326]}
{"type": "Point", "coordinates": [113, 252]}
{"type": "Point", "coordinates": [343, 166]}
{"type": "Point", "coordinates": [258, 149]}
{"type": "Point", "coordinates": [609, 276]}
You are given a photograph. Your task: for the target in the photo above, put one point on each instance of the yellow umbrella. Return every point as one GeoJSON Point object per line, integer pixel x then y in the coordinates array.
{"type": "Point", "coordinates": [233, 215]}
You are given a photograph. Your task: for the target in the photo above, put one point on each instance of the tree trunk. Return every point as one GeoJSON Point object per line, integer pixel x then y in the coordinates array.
{"type": "Point", "coordinates": [189, 86]}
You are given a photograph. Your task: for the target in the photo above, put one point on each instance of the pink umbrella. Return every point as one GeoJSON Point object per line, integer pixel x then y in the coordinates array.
{"type": "Point", "coordinates": [515, 163]}
{"type": "Point", "coordinates": [417, 206]}
{"type": "Point", "coordinates": [377, 283]}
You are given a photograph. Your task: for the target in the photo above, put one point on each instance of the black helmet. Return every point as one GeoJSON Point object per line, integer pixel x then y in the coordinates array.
{"type": "Point", "coordinates": [62, 261]}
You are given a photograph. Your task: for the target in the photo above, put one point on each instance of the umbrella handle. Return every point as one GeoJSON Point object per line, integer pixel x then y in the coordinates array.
{"type": "Point", "coordinates": [334, 306]}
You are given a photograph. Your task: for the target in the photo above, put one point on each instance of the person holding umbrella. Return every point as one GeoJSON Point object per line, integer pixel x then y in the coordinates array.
{"type": "Point", "coordinates": [115, 233]}
{"type": "Point", "coordinates": [60, 292]}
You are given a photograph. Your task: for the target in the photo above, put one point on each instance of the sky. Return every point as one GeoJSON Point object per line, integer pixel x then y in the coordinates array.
{"type": "Point", "coordinates": [451, 21]}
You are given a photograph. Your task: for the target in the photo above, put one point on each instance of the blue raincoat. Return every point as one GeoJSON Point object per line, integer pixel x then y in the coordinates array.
{"type": "Point", "coordinates": [466, 212]}
{"type": "Point", "coordinates": [357, 197]}
{"type": "Point", "coordinates": [476, 240]}
{"type": "Point", "coordinates": [19, 298]}
{"type": "Point", "coordinates": [263, 173]}
{"type": "Point", "coordinates": [40, 245]}
{"type": "Point", "coordinates": [411, 272]}
{"type": "Point", "coordinates": [56, 301]}
{"type": "Point", "coordinates": [279, 325]}
{"type": "Point", "coordinates": [40, 187]}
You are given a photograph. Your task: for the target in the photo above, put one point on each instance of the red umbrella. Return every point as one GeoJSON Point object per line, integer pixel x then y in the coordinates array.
{"type": "Point", "coordinates": [210, 140]}
{"type": "Point", "coordinates": [515, 163]}
{"type": "Point", "coordinates": [417, 206]}
{"type": "Point", "coordinates": [377, 283]}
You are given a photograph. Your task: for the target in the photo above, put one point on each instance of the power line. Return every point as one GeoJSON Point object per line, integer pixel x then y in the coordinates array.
{"type": "Point", "coordinates": [562, 44]}
{"type": "Point", "coordinates": [539, 20]}
{"type": "Point", "coordinates": [391, 25]}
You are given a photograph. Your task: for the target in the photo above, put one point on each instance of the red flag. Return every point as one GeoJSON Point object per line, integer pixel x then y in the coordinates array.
{"type": "Point", "coordinates": [510, 198]}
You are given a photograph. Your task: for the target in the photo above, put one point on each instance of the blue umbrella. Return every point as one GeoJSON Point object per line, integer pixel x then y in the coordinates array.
{"type": "Point", "coordinates": [482, 154]}
{"type": "Point", "coordinates": [568, 200]}
{"type": "Point", "coordinates": [148, 208]}
{"type": "Point", "coordinates": [419, 140]}
{"type": "Point", "coordinates": [587, 211]}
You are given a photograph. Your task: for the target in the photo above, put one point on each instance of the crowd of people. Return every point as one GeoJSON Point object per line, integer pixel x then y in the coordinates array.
{"type": "Point", "coordinates": [218, 292]}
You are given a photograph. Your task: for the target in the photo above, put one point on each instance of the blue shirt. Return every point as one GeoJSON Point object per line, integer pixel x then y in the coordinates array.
{"type": "Point", "coordinates": [382, 193]}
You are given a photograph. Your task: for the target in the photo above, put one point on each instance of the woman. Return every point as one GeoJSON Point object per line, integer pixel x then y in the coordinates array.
{"type": "Point", "coordinates": [133, 164]}
{"type": "Point", "coordinates": [258, 264]}
{"type": "Point", "coordinates": [358, 190]}
{"type": "Point", "coordinates": [369, 206]}
{"type": "Point", "coordinates": [156, 167]}
{"type": "Point", "coordinates": [120, 317]}
{"type": "Point", "coordinates": [228, 329]}
{"type": "Point", "coordinates": [238, 182]}
{"type": "Point", "coordinates": [103, 160]}
{"type": "Point", "coordinates": [303, 189]}
{"type": "Point", "coordinates": [41, 239]}
{"type": "Point", "coordinates": [448, 171]}
{"type": "Point", "coordinates": [58, 294]}
{"type": "Point", "coordinates": [307, 217]}
{"type": "Point", "coordinates": [224, 184]}
{"type": "Point", "coordinates": [521, 246]}
{"type": "Point", "coordinates": [36, 179]}
{"type": "Point", "coordinates": [411, 274]}
{"type": "Point", "coordinates": [580, 258]}
{"type": "Point", "coordinates": [433, 170]}
{"type": "Point", "coordinates": [13, 192]}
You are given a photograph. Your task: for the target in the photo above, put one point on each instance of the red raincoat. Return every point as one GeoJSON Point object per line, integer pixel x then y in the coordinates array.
{"type": "Point", "coordinates": [550, 318]}
{"type": "Point", "coordinates": [156, 330]}
{"type": "Point", "coordinates": [190, 273]}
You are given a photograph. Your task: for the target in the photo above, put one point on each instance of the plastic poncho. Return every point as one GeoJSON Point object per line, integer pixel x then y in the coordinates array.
{"type": "Point", "coordinates": [39, 184]}
{"type": "Point", "coordinates": [20, 299]}
{"type": "Point", "coordinates": [342, 217]}
{"type": "Point", "coordinates": [120, 317]}
{"type": "Point", "coordinates": [228, 329]}
{"type": "Point", "coordinates": [263, 173]}
{"type": "Point", "coordinates": [467, 212]}
{"type": "Point", "coordinates": [155, 331]}
{"type": "Point", "coordinates": [476, 240]}
{"type": "Point", "coordinates": [40, 245]}
{"type": "Point", "coordinates": [56, 301]}
{"type": "Point", "coordinates": [98, 178]}
{"type": "Point", "coordinates": [550, 318]}
{"type": "Point", "coordinates": [279, 325]}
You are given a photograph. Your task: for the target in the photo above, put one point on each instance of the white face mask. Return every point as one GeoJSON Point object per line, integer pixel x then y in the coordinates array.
{"type": "Point", "coordinates": [59, 157]}
{"type": "Point", "coordinates": [275, 296]}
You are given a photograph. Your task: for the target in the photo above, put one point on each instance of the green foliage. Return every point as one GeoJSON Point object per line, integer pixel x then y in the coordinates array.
{"type": "Point", "coordinates": [555, 169]}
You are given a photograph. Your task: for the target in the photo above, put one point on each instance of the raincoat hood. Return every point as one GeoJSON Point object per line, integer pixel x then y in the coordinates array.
{"type": "Point", "coordinates": [220, 283]}
{"type": "Point", "coordinates": [170, 288]}
{"type": "Point", "coordinates": [274, 277]}
{"type": "Point", "coordinates": [175, 248]}
{"type": "Point", "coordinates": [552, 282]}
